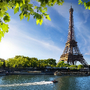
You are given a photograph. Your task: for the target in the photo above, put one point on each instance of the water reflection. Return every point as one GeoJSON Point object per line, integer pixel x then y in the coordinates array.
{"type": "Point", "coordinates": [66, 83]}
{"type": "Point", "coordinates": [27, 82]}
{"type": "Point", "coordinates": [73, 83]}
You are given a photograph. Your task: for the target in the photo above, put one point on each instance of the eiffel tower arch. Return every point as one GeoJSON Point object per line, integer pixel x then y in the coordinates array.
{"type": "Point", "coordinates": [71, 53]}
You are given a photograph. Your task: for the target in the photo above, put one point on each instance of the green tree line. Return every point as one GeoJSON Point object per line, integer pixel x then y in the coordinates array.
{"type": "Point", "coordinates": [22, 61]}
{"type": "Point", "coordinates": [1, 63]}
{"type": "Point", "coordinates": [62, 64]}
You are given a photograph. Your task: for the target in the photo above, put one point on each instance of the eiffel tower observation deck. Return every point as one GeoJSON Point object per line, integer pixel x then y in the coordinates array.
{"type": "Point", "coordinates": [71, 53]}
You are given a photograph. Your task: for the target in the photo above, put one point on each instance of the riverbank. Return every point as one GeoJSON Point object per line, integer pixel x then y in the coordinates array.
{"type": "Point", "coordinates": [44, 71]}
{"type": "Point", "coordinates": [30, 73]}
{"type": "Point", "coordinates": [60, 73]}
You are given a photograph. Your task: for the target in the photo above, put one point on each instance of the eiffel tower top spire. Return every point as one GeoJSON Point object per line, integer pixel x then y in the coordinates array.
{"type": "Point", "coordinates": [71, 35]}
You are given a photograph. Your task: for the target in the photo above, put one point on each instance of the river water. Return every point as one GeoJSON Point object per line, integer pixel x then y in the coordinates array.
{"type": "Point", "coordinates": [43, 82]}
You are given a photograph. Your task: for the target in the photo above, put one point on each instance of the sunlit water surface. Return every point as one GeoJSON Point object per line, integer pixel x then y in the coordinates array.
{"type": "Point", "coordinates": [43, 82]}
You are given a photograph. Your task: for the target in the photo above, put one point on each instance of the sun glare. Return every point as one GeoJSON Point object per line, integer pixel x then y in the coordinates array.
{"type": "Point", "coordinates": [6, 49]}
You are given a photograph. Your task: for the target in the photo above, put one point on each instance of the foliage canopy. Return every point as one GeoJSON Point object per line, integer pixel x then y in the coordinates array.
{"type": "Point", "coordinates": [27, 8]}
{"type": "Point", "coordinates": [22, 61]}
{"type": "Point", "coordinates": [62, 64]}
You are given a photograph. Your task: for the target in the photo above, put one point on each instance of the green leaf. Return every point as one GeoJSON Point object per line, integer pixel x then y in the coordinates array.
{"type": "Point", "coordinates": [35, 7]}
{"type": "Point", "coordinates": [5, 27]}
{"type": "Point", "coordinates": [28, 17]}
{"type": "Point", "coordinates": [21, 4]}
{"type": "Point", "coordinates": [16, 10]}
{"type": "Point", "coordinates": [41, 21]}
{"type": "Point", "coordinates": [21, 16]}
{"type": "Point", "coordinates": [47, 17]}
{"type": "Point", "coordinates": [0, 26]}
{"type": "Point", "coordinates": [37, 21]}
{"type": "Point", "coordinates": [2, 33]}
{"type": "Point", "coordinates": [6, 18]}
{"type": "Point", "coordinates": [43, 11]}
{"type": "Point", "coordinates": [80, 2]}
{"type": "Point", "coordinates": [23, 1]}
{"type": "Point", "coordinates": [17, 5]}
{"type": "Point", "coordinates": [89, 7]}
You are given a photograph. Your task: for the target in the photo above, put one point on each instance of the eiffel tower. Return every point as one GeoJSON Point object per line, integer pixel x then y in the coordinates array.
{"type": "Point", "coordinates": [71, 52]}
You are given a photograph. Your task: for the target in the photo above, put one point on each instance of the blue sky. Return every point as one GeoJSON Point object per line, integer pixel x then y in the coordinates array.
{"type": "Point", "coordinates": [48, 40]}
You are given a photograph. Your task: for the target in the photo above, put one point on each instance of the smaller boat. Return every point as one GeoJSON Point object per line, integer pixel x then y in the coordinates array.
{"type": "Point", "coordinates": [54, 81]}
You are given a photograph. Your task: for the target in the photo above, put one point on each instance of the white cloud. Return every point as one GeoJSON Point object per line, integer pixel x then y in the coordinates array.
{"type": "Point", "coordinates": [17, 32]}
{"type": "Point", "coordinates": [44, 44]}
{"type": "Point", "coordinates": [51, 24]}
{"type": "Point", "coordinates": [48, 23]}
{"type": "Point", "coordinates": [86, 15]}
{"type": "Point", "coordinates": [63, 10]}
{"type": "Point", "coordinates": [87, 53]}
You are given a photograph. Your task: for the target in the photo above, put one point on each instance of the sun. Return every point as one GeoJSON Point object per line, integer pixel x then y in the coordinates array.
{"type": "Point", "coordinates": [6, 49]}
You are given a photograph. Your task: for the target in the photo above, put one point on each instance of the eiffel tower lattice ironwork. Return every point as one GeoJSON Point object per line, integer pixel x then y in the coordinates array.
{"type": "Point", "coordinates": [71, 52]}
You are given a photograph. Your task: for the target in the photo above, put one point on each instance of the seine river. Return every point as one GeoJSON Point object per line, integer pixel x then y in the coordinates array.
{"type": "Point", "coordinates": [43, 82]}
